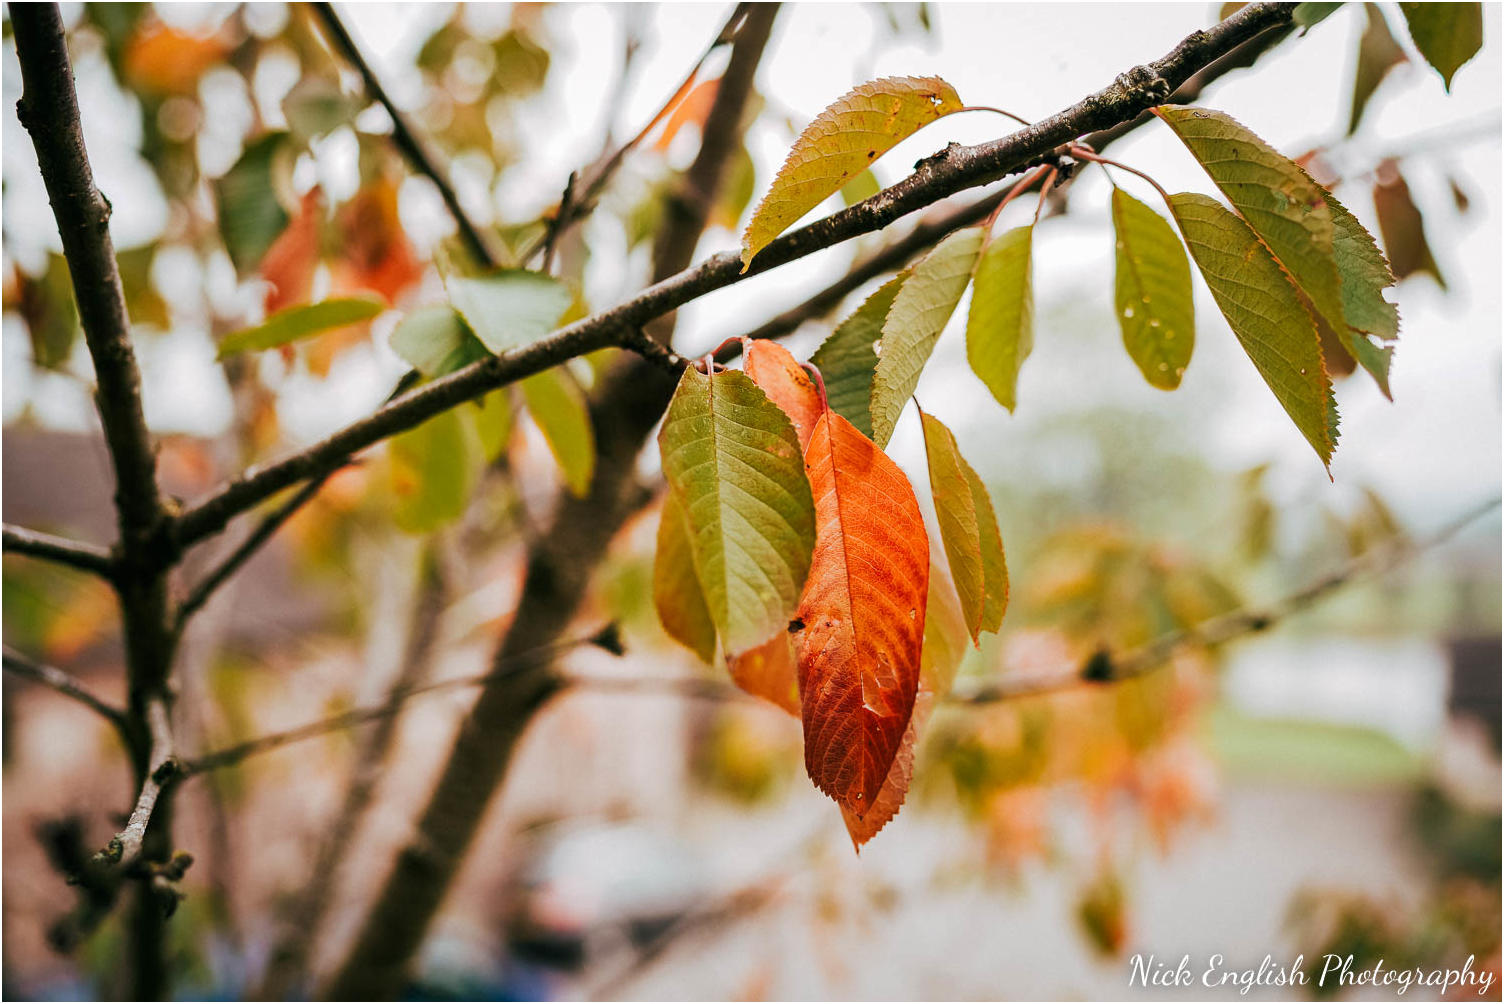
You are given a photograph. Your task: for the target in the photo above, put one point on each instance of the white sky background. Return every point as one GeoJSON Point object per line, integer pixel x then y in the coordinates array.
{"type": "Point", "coordinates": [1433, 453]}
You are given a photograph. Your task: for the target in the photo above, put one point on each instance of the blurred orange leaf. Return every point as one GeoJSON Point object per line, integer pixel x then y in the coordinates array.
{"type": "Point", "coordinates": [693, 110]}
{"type": "Point", "coordinates": [375, 253]}
{"type": "Point", "coordinates": [162, 60]}
{"type": "Point", "coordinates": [290, 262]}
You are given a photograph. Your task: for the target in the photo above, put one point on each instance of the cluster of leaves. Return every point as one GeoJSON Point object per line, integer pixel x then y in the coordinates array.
{"type": "Point", "coordinates": [833, 549]}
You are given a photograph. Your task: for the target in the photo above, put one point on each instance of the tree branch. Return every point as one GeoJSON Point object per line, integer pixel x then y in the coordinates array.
{"type": "Point", "coordinates": [64, 683]}
{"type": "Point", "coordinates": [49, 110]}
{"type": "Point", "coordinates": [253, 542]}
{"type": "Point", "coordinates": [406, 137]}
{"type": "Point", "coordinates": [77, 554]}
{"type": "Point", "coordinates": [946, 173]}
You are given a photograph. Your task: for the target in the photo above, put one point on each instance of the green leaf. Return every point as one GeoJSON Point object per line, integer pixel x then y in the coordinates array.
{"type": "Point", "coordinates": [250, 215]}
{"type": "Point", "coordinates": [676, 588]}
{"type": "Point", "coordinates": [142, 301]}
{"type": "Point", "coordinates": [994, 562]}
{"type": "Point", "coordinates": [1308, 15]}
{"type": "Point", "coordinates": [493, 424]}
{"type": "Point", "coordinates": [1447, 34]}
{"type": "Point", "coordinates": [436, 341]}
{"type": "Point", "coordinates": [840, 144]}
{"type": "Point", "coordinates": [732, 458]}
{"type": "Point", "coordinates": [1298, 221]}
{"type": "Point", "coordinates": [945, 633]}
{"type": "Point", "coordinates": [1378, 53]}
{"type": "Point", "coordinates": [1365, 274]}
{"type": "Point", "coordinates": [1265, 312]}
{"type": "Point", "coordinates": [1285, 208]}
{"type": "Point", "coordinates": [433, 472]}
{"type": "Point", "coordinates": [846, 360]}
{"type": "Point", "coordinates": [511, 307]}
{"type": "Point", "coordinates": [919, 313]}
{"type": "Point", "coordinates": [297, 323]}
{"type": "Point", "coordinates": [1000, 330]}
{"type": "Point", "coordinates": [968, 529]}
{"type": "Point", "coordinates": [46, 304]}
{"type": "Point", "coordinates": [1152, 292]}
{"type": "Point", "coordinates": [558, 406]}
{"type": "Point", "coordinates": [863, 186]}
{"type": "Point", "coordinates": [317, 105]}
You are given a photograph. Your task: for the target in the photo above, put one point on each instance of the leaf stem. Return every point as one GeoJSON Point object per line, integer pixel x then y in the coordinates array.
{"type": "Point", "coordinates": [1018, 189]}
{"type": "Point", "coordinates": [1044, 192]}
{"type": "Point", "coordinates": [814, 371]}
{"type": "Point", "coordinates": [997, 111]}
{"type": "Point", "coordinates": [1084, 153]}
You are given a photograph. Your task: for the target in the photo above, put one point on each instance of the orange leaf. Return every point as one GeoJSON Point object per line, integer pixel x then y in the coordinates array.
{"type": "Point", "coordinates": [896, 786]}
{"type": "Point", "coordinates": [693, 110]}
{"type": "Point", "coordinates": [773, 368]}
{"type": "Point", "coordinates": [162, 60]}
{"type": "Point", "coordinates": [860, 624]}
{"type": "Point", "coordinates": [290, 262]}
{"type": "Point", "coordinates": [768, 671]}
{"type": "Point", "coordinates": [376, 254]}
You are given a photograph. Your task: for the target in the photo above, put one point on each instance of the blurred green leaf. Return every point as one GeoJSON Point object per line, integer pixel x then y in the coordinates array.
{"type": "Point", "coordinates": [1308, 15]}
{"type": "Point", "coordinates": [493, 423]}
{"type": "Point", "coordinates": [250, 214]}
{"type": "Point", "coordinates": [316, 106]}
{"type": "Point", "coordinates": [297, 323]}
{"type": "Point", "coordinates": [510, 308]}
{"type": "Point", "coordinates": [46, 305]}
{"type": "Point", "coordinates": [558, 406]}
{"type": "Point", "coordinates": [142, 301]}
{"type": "Point", "coordinates": [521, 64]}
{"type": "Point", "coordinates": [1378, 53]}
{"type": "Point", "coordinates": [433, 473]}
{"type": "Point", "coordinates": [435, 341]}
{"type": "Point", "coordinates": [1447, 34]}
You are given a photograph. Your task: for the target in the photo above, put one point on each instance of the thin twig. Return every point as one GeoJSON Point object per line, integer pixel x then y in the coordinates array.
{"type": "Point", "coordinates": [231, 755]}
{"type": "Point", "coordinates": [955, 169]}
{"type": "Point", "coordinates": [1103, 668]}
{"type": "Point", "coordinates": [406, 137]}
{"type": "Point", "coordinates": [36, 544]}
{"type": "Point", "coordinates": [64, 683]}
{"type": "Point", "coordinates": [253, 542]}
{"type": "Point", "coordinates": [126, 847]}
{"type": "Point", "coordinates": [575, 207]}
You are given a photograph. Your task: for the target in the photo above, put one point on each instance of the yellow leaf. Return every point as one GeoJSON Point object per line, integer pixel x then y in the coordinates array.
{"type": "Point", "coordinates": [841, 143]}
